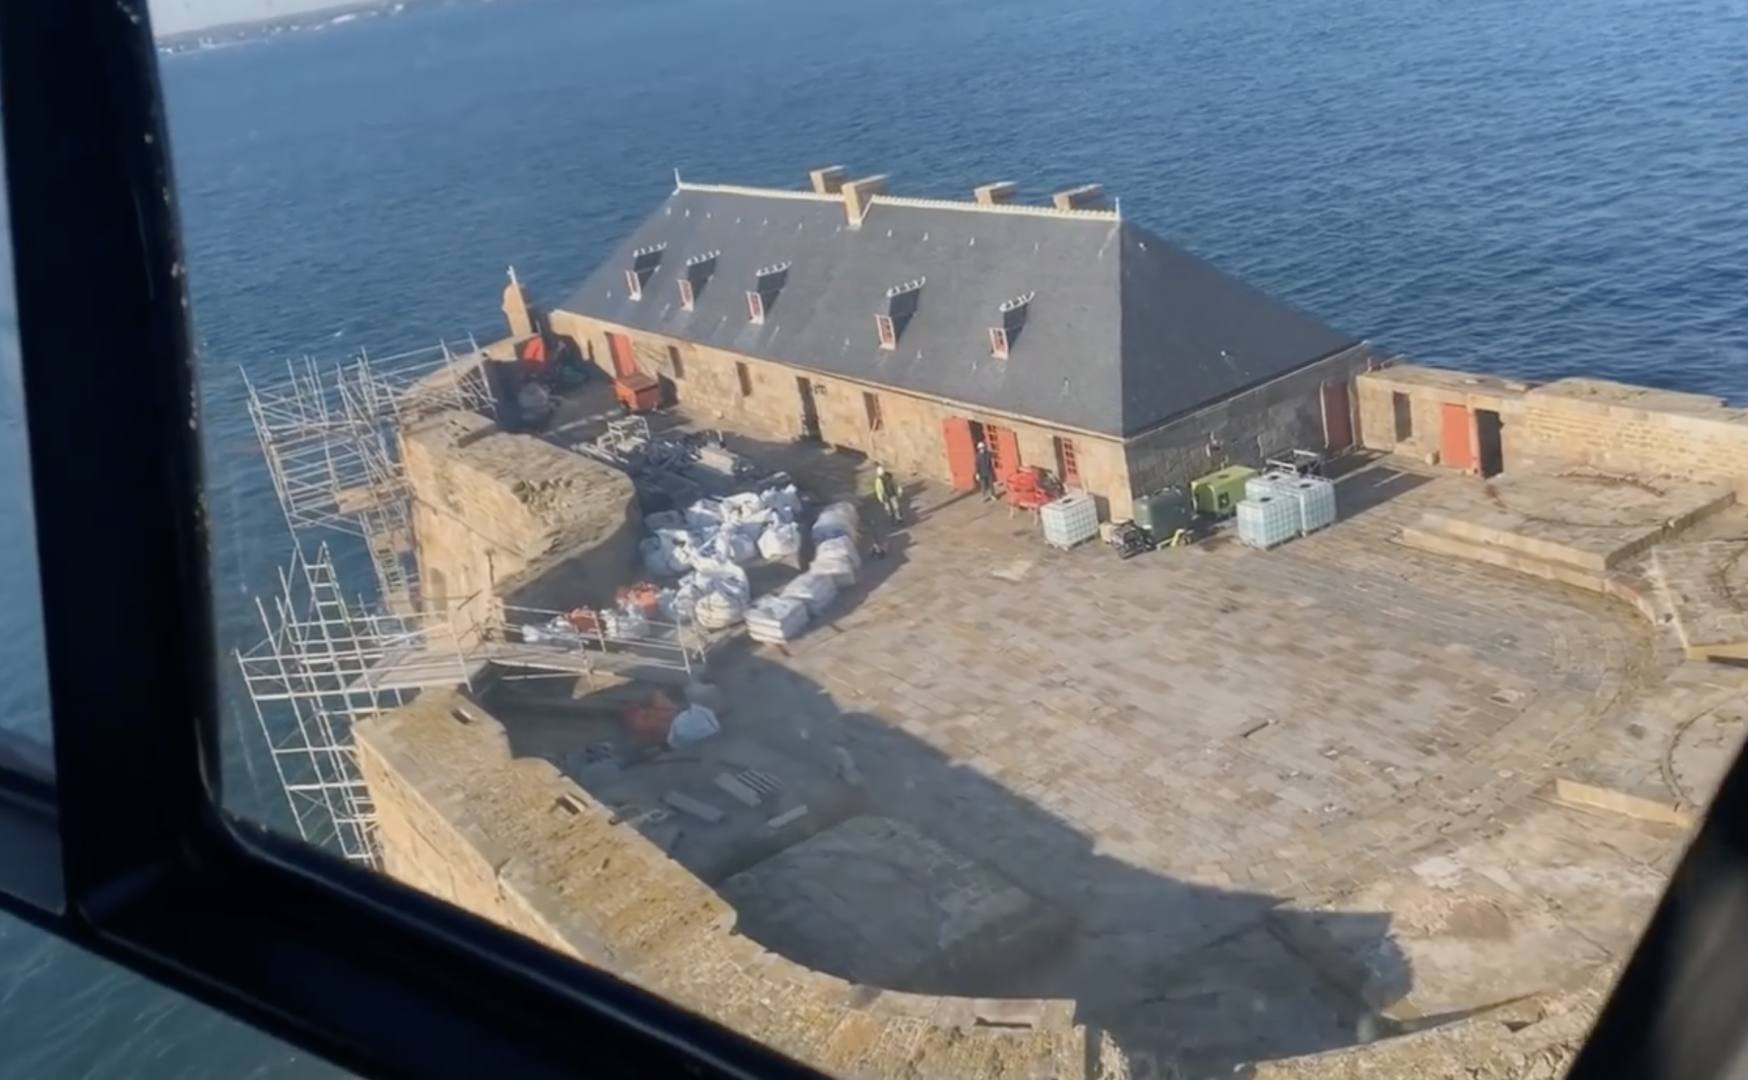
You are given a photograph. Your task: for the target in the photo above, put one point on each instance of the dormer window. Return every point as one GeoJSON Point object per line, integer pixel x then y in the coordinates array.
{"type": "Point", "coordinates": [768, 281]}
{"type": "Point", "coordinates": [1012, 314]}
{"type": "Point", "coordinates": [643, 266]}
{"type": "Point", "coordinates": [901, 306]}
{"type": "Point", "coordinates": [697, 275]}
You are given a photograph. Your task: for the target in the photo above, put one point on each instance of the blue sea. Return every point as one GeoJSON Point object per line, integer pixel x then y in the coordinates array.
{"type": "Point", "coordinates": [1533, 189]}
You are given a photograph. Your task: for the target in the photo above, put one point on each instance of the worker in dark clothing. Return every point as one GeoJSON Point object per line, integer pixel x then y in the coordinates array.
{"type": "Point", "coordinates": [985, 471]}
{"type": "Point", "coordinates": [886, 492]}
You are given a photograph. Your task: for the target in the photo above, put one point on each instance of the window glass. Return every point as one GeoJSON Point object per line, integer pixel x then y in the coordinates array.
{"type": "Point", "coordinates": [534, 603]}
{"type": "Point", "coordinates": [64, 1012]}
{"type": "Point", "coordinates": [24, 718]}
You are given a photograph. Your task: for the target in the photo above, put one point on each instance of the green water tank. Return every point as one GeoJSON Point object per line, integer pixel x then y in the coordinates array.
{"type": "Point", "coordinates": [1219, 493]}
{"type": "Point", "coordinates": [1162, 513]}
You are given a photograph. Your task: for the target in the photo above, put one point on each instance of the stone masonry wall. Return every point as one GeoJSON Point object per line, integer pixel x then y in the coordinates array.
{"type": "Point", "coordinates": [496, 515]}
{"type": "Point", "coordinates": [1611, 427]}
{"type": "Point", "coordinates": [1281, 415]}
{"type": "Point", "coordinates": [910, 438]}
{"type": "Point", "coordinates": [517, 842]}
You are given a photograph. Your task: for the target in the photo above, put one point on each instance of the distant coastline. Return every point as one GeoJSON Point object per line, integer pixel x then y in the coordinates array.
{"type": "Point", "coordinates": [246, 32]}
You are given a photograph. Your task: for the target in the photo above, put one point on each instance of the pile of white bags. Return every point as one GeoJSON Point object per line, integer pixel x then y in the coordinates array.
{"type": "Point", "coordinates": [776, 619]}
{"type": "Point", "coordinates": [704, 514]}
{"type": "Point", "coordinates": [732, 544]}
{"type": "Point", "coordinates": [667, 553]}
{"type": "Point", "coordinates": [780, 540]}
{"type": "Point", "coordinates": [838, 519]}
{"type": "Point", "coordinates": [714, 594]}
{"type": "Point", "coordinates": [814, 589]}
{"type": "Point", "coordinates": [838, 558]}
{"type": "Point", "coordinates": [785, 502]}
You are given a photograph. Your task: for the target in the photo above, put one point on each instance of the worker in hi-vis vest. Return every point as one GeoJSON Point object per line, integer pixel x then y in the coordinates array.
{"type": "Point", "coordinates": [886, 492]}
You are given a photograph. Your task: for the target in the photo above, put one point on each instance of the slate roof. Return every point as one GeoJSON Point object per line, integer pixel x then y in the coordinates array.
{"type": "Point", "coordinates": [1125, 331]}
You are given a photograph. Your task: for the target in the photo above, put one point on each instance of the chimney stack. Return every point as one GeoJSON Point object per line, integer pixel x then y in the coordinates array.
{"type": "Point", "coordinates": [1084, 197]}
{"type": "Point", "coordinates": [828, 180]}
{"type": "Point", "coordinates": [1002, 191]}
{"type": "Point", "coordinates": [858, 194]}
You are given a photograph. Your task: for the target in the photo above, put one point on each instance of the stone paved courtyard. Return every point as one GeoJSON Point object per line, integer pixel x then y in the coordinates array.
{"type": "Point", "coordinates": [1291, 799]}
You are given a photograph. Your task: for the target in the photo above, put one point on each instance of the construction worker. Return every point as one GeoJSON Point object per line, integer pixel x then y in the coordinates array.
{"type": "Point", "coordinates": [886, 492]}
{"type": "Point", "coordinates": [985, 469]}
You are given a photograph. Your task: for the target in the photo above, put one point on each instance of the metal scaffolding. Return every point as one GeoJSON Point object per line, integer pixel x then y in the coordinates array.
{"type": "Point", "coordinates": [313, 676]}
{"type": "Point", "coordinates": [332, 444]}
{"type": "Point", "coordinates": [333, 447]}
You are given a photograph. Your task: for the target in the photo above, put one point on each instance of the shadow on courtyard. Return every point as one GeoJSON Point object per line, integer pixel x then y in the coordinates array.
{"type": "Point", "coordinates": [1000, 899]}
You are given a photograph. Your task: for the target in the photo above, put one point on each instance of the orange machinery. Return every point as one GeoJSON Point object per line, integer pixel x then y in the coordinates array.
{"type": "Point", "coordinates": [1026, 489]}
{"type": "Point", "coordinates": [638, 392]}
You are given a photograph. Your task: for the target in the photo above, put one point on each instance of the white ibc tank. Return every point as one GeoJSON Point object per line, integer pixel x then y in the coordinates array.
{"type": "Point", "coordinates": [1268, 520]}
{"type": "Point", "coordinates": [1070, 520]}
{"type": "Point", "coordinates": [1316, 498]}
{"type": "Point", "coordinates": [1265, 484]}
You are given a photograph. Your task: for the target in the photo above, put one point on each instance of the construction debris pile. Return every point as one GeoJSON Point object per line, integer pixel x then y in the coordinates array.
{"type": "Point", "coordinates": [674, 468]}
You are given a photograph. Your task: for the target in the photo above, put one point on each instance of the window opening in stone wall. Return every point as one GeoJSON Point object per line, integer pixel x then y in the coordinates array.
{"type": "Point", "coordinates": [871, 405]}
{"type": "Point", "coordinates": [1066, 466]}
{"type": "Point", "coordinates": [746, 378]}
{"type": "Point", "coordinates": [675, 366]}
{"type": "Point", "coordinates": [1403, 409]}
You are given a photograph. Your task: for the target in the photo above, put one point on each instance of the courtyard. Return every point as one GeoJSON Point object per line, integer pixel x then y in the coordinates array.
{"type": "Point", "coordinates": [1236, 805]}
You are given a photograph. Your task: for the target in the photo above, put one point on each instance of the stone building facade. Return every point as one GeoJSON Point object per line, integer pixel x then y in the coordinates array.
{"type": "Point", "coordinates": [908, 329]}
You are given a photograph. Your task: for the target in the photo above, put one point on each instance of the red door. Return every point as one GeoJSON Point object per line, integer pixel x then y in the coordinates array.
{"type": "Point", "coordinates": [961, 453]}
{"type": "Point", "coordinates": [623, 362]}
{"type": "Point", "coordinates": [1456, 444]}
{"type": "Point", "coordinates": [1004, 451]}
{"type": "Point", "coordinates": [1337, 417]}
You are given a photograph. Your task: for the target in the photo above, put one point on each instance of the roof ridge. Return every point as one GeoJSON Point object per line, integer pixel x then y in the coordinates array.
{"type": "Point", "coordinates": [992, 208]}
{"type": "Point", "coordinates": [742, 189]}
{"type": "Point", "coordinates": [1026, 209]}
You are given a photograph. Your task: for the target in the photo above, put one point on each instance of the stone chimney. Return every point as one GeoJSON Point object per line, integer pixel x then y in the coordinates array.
{"type": "Point", "coordinates": [1002, 191]}
{"type": "Point", "coordinates": [858, 194]}
{"type": "Point", "coordinates": [518, 312]}
{"type": "Point", "coordinates": [828, 180]}
{"type": "Point", "coordinates": [1084, 197]}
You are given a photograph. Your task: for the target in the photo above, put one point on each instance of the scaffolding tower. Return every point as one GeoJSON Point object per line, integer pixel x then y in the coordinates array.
{"type": "Point", "coordinates": [331, 439]}
{"type": "Point", "coordinates": [332, 444]}
{"type": "Point", "coordinates": [333, 447]}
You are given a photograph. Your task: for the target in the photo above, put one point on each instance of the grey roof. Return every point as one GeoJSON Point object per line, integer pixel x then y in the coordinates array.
{"type": "Point", "coordinates": [1125, 331]}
